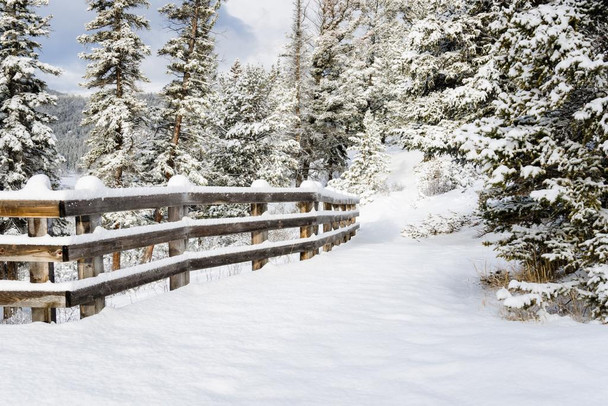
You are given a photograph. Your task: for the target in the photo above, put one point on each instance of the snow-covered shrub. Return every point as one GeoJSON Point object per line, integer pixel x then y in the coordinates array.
{"type": "Point", "coordinates": [436, 224]}
{"type": "Point", "coordinates": [538, 301]}
{"type": "Point", "coordinates": [582, 296]}
{"type": "Point", "coordinates": [442, 174]}
{"type": "Point", "coordinates": [598, 296]}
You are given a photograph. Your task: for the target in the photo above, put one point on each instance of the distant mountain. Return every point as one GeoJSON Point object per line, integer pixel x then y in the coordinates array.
{"type": "Point", "coordinates": [71, 135]}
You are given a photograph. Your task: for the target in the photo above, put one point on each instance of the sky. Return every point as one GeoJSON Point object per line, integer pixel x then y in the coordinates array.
{"type": "Point", "coordinates": [254, 31]}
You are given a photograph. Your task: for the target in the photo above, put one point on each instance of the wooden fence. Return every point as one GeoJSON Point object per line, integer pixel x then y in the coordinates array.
{"type": "Point", "coordinates": [336, 214]}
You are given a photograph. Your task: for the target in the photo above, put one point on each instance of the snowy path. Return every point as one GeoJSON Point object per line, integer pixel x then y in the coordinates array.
{"type": "Point", "coordinates": [380, 321]}
{"type": "Point", "coordinates": [399, 327]}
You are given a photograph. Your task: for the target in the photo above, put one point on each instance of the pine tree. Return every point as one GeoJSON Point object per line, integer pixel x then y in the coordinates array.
{"type": "Point", "coordinates": [367, 173]}
{"type": "Point", "coordinates": [26, 140]}
{"type": "Point", "coordinates": [376, 50]}
{"type": "Point", "coordinates": [252, 116]}
{"type": "Point", "coordinates": [298, 78]}
{"type": "Point", "coordinates": [193, 64]}
{"type": "Point", "coordinates": [545, 149]}
{"type": "Point", "coordinates": [331, 109]}
{"type": "Point", "coordinates": [114, 112]}
{"type": "Point", "coordinates": [447, 75]}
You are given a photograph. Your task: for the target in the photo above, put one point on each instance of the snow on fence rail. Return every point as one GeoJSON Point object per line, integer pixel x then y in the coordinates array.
{"type": "Point", "coordinates": [37, 203]}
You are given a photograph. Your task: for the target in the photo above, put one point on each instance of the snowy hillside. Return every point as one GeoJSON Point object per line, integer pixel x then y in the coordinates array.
{"type": "Point", "coordinates": [383, 320]}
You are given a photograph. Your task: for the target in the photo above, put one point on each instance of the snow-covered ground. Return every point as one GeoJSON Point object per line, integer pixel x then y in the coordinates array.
{"type": "Point", "coordinates": [383, 320]}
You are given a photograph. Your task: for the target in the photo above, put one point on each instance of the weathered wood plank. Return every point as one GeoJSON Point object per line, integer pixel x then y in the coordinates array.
{"type": "Point", "coordinates": [34, 299]}
{"type": "Point", "coordinates": [178, 247]}
{"type": "Point", "coordinates": [81, 207]}
{"type": "Point", "coordinates": [106, 288]}
{"type": "Point", "coordinates": [152, 235]}
{"type": "Point", "coordinates": [149, 235]}
{"type": "Point", "coordinates": [30, 208]}
{"type": "Point", "coordinates": [113, 204]}
{"type": "Point", "coordinates": [31, 253]}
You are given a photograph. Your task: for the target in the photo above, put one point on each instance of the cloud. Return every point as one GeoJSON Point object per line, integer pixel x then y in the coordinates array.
{"type": "Point", "coordinates": [250, 30]}
{"type": "Point", "coordinates": [235, 39]}
{"type": "Point", "coordinates": [269, 21]}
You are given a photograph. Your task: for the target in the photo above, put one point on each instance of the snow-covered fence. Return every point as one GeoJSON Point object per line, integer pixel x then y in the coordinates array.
{"type": "Point", "coordinates": [37, 203]}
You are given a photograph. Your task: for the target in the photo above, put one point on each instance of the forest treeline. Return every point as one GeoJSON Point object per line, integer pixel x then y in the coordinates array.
{"type": "Point", "coordinates": [516, 91]}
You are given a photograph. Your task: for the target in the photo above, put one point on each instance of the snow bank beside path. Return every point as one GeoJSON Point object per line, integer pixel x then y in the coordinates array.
{"type": "Point", "coordinates": [382, 320]}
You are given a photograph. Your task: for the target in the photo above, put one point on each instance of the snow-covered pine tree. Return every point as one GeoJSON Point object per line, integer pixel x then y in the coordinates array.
{"type": "Point", "coordinates": [280, 165]}
{"type": "Point", "coordinates": [593, 119]}
{"type": "Point", "coordinates": [193, 64]}
{"type": "Point", "coordinates": [446, 72]}
{"type": "Point", "coordinates": [114, 111]}
{"type": "Point", "coordinates": [377, 48]}
{"type": "Point", "coordinates": [367, 173]}
{"type": "Point", "coordinates": [26, 140]}
{"type": "Point", "coordinates": [251, 121]}
{"type": "Point", "coordinates": [297, 57]}
{"type": "Point", "coordinates": [331, 109]}
{"type": "Point", "coordinates": [545, 151]}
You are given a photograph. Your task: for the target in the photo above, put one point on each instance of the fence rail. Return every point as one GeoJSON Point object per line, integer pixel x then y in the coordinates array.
{"type": "Point", "coordinates": [87, 204]}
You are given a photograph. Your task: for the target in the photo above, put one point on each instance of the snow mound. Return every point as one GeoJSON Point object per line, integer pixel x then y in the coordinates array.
{"type": "Point", "coordinates": [38, 184]}
{"type": "Point", "coordinates": [179, 181]}
{"type": "Point", "coordinates": [90, 183]}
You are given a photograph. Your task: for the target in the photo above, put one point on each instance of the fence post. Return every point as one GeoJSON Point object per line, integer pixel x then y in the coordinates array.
{"type": "Point", "coordinates": [178, 248]}
{"type": "Point", "coordinates": [336, 225]}
{"type": "Point", "coordinates": [258, 237]}
{"type": "Point", "coordinates": [89, 267]}
{"type": "Point", "coordinates": [327, 227]}
{"type": "Point", "coordinates": [306, 231]}
{"type": "Point", "coordinates": [306, 207]}
{"type": "Point", "coordinates": [345, 223]}
{"type": "Point", "coordinates": [353, 220]}
{"type": "Point", "coordinates": [316, 229]}
{"type": "Point", "coordinates": [41, 272]}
